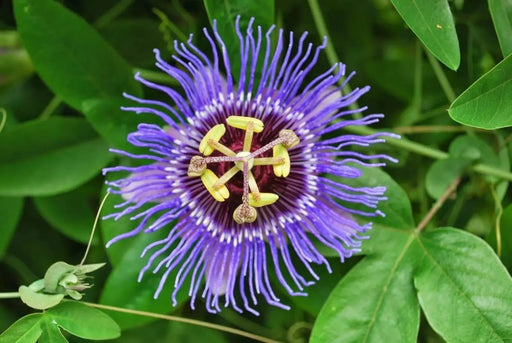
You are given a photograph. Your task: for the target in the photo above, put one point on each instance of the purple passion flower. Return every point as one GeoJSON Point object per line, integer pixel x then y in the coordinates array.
{"type": "Point", "coordinates": [247, 173]}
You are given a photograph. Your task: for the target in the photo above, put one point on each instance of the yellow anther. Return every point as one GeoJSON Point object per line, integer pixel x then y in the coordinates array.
{"type": "Point", "coordinates": [196, 167]}
{"type": "Point", "coordinates": [242, 122]}
{"type": "Point", "coordinates": [240, 164]}
{"type": "Point", "coordinates": [289, 137]}
{"type": "Point", "coordinates": [209, 179]}
{"type": "Point", "coordinates": [245, 214]}
{"type": "Point", "coordinates": [282, 169]}
{"type": "Point", "coordinates": [214, 134]}
{"type": "Point", "coordinates": [264, 199]}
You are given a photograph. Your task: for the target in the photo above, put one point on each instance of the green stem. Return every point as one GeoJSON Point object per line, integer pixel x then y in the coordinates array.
{"type": "Point", "coordinates": [50, 108]}
{"type": "Point", "coordinates": [441, 77]}
{"type": "Point", "coordinates": [9, 39]}
{"type": "Point", "coordinates": [184, 320]}
{"type": "Point", "coordinates": [424, 150]}
{"type": "Point", "coordinates": [156, 76]}
{"type": "Point", "coordinates": [112, 13]}
{"type": "Point", "coordinates": [174, 29]}
{"type": "Point", "coordinates": [332, 56]}
{"type": "Point", "coordinates": [499, 213]}
{"type": "Point", "coordinates": [9, 295]}
{"type": "Point", "coordinates": [94, 227]}
{"type": "Point", "coordinates": [243, 323]}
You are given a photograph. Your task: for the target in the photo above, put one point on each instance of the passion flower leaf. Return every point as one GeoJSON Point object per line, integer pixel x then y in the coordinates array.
{"type": "Point", "coordinates": [79, 64]}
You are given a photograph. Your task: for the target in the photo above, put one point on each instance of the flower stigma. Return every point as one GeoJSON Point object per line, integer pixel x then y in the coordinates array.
{"type": "Point", "coordinates": [243, 161]}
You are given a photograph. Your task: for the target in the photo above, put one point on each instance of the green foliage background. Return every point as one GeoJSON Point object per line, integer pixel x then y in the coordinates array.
{"type": "Point", "coordinates": [436, 268]}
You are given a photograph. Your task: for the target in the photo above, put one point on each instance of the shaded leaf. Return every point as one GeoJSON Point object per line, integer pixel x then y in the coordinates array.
{"type": "Point", "coordinates": [487, 103]}
{"type": "Point", "coordinates": [72, 213]}
{"type": "Point", "coordinates": [78, 65]}
{"type": "Point", "coordinates": [11, 209]}
{"type": "Point", "coordinates": [225, 12]}
{"type": "Point", "coordinates": [107, 118]}
{"type": "Point", "coordinates": [50, 157]}
{"type": "Point", "coordinates": [432, 22]}
{"type": "Point", "coordinates": [442, 173]}
{"type": "Point", "coordinates": [122, 288]}
{"type": "Point", "coordinates": [501, 12]}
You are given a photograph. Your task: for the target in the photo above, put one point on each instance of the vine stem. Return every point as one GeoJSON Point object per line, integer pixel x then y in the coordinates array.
{"type": "Point", "coordinates": [424, 150]}
{"type": "Point", "coordinates": [184, 320]}
{"type": "Point", "coordinates": [441, 77]}
{"type": "Point", "coordinates": [9, 295]}
{"type": "Point", "coordinates": [4, 118]}
{"type": "Point", "coordinates": [499, 213]}
{"type": "Point", "coordinates": [94, 228]}
{"type": "Point", "coordinates": [404, 130]}
{"type": "Point", "coordinates": [447, 193]}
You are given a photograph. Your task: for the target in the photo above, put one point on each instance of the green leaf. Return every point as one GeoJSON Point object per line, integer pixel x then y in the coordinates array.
{"type": "Point", "coordinates": [123, 290]}
{"type": "Point", "coordinates": [25, 330]}
{"type": "Point", "coordinates": [51, 332]}
{"type": "Point", "coordinates": [501, 12]}
{"type": "Point", "coordinates": [116, 126]}
{"type": "Point", "coordinates": [487, 103]}
{"type": "Point", "coordinates": [72, 213]}
{"type": "Point", "coordinates": [49, 157]}
{"type": "Point", "coordinates": [226, 11]}
{"type": "Point", "coordinates": [376, 300]}
{"type": "Point", "coordinates": [442, 173]}
{"type": "Point", "coordinates": [397, 207]}
{"type": "Point", "coordinates": [11, 209]}
{"type": "Point", "coordinates": [464, 290]}
{"type": "Point", "coordinates": [432, 22]}
{"type": "Point", "coordinates": [78, 65]}
{"type": "Point", "coordinates": [124, 34]}
{"type": "Point", "coordinates": [84, 321]}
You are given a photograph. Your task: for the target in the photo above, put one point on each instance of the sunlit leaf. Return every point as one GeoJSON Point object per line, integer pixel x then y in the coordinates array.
{"type": "Point", "coordinates": [464, 290]}
{"type": "Point", "coordinates": [487, 102]}
{"type": "Point", "coordinates": [84, 321]}
{"type": "Point", "coordinates": [26, 330]}
{"type": "Point", "coordinates": [432, 22]}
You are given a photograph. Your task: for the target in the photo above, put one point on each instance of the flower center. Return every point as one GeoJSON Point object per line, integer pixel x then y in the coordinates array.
{"type": "Point", "coordinates": [243, 161]}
